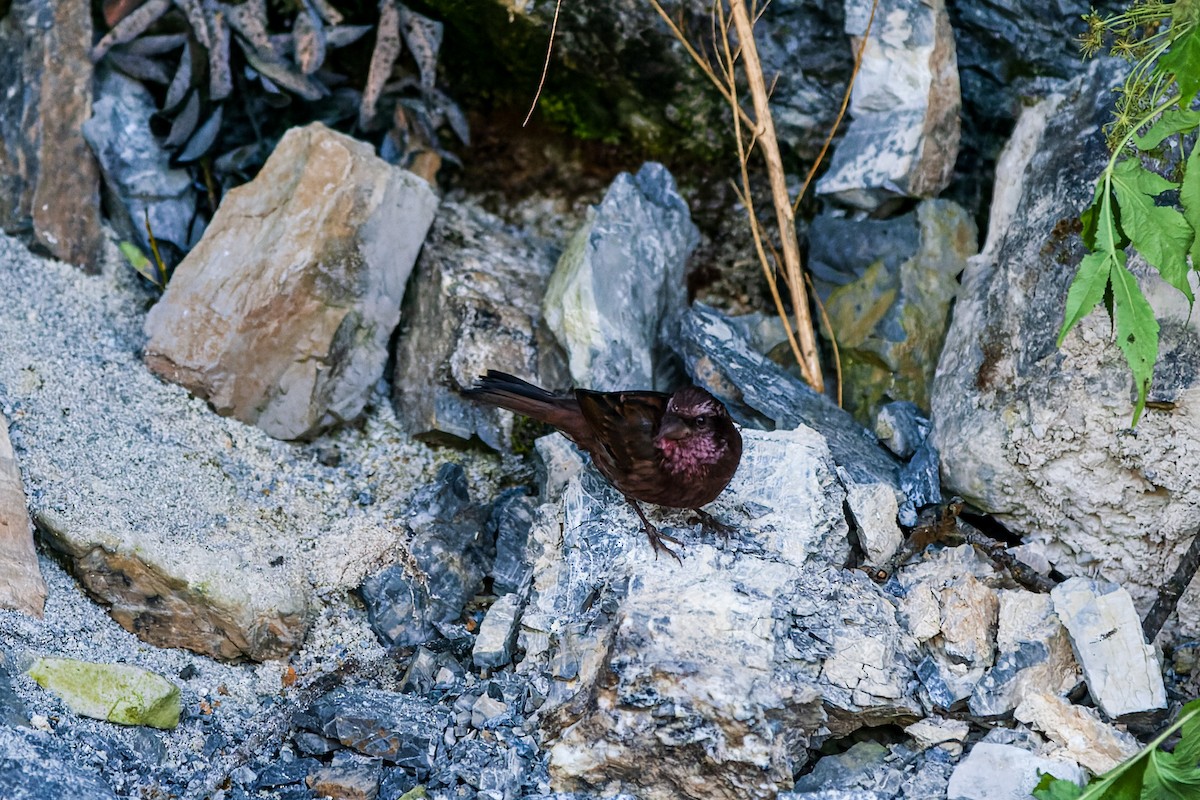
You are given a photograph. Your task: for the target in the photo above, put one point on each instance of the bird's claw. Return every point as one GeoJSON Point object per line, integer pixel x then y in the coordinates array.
{"type": "Point", "coordinates": [712, 524]}
{"type": "Point", "coordinates": [658, 541]}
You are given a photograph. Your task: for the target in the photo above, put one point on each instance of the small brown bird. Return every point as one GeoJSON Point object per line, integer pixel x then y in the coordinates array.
{"type": "Point", "coordinates": [678, 450]}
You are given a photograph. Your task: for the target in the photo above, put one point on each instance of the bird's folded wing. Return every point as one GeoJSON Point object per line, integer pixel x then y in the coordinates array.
{"type": "Point", "coordinates": [625, 423]}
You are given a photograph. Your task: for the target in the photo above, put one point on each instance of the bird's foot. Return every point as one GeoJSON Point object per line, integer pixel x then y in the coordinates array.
{"type": "Point", "coordinates": [658, 541]}
{"type": "Point", "coordinates": [657, 538]}
{"type": "Point", "coordinates": [710, 523]}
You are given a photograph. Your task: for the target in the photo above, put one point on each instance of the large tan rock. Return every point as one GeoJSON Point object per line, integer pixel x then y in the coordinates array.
{"type": "Point", "coordinates": [21, 584]}
{"type": "Point", "coordinates": [281, 315]}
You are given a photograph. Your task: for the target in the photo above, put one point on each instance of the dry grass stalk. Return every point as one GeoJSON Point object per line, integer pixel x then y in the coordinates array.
{"type": "Point", "coordinates": [759, 130]}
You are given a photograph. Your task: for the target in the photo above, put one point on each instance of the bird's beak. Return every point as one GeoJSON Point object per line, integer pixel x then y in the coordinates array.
{"type": "Point", "coordinates": [673, 429]}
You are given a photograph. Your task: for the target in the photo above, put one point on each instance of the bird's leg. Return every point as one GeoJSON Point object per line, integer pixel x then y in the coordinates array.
{"type": "Point", "coordinates": [656, 536]}
{"type": "Point", "coordinates": [711, 523]}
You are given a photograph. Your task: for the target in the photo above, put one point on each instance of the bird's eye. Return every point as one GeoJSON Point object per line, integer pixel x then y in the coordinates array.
{"type": "Point", "coordinates": [701, 422]}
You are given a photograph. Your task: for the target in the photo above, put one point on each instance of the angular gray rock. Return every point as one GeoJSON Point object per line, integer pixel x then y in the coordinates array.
{"type": "Point", "coordinates": [137, 169]}
{"type": "Point", "coordinates": [1122, 671]}
{"type": "Point", "coordinates": [707, 679]}
{"type": "Point", "coordinates": [21, 583]}
{"type": "Point", "coordinates": [1037, 435]}
{"type": "Point", "coordinates": [497, 632]}
{"type": "Point", "coordinates": [1004, 772]}
{"type": "Point", "coordinates": [891, 312]}
{"type": "Point", "coordinates": [448, 554]}
{"type": "Point", "coordinates": [904, 132]}
{"type": "Point", "coordinates": [32, 768]}
{"type": "Point", "coordinates": [281, 315]}
{"type": "Point", "coordinates": [398, 728]}
{"type": "Point", "coordinates": [760, 393]}
{"type": "Point", "coordinates": [49, 181]}
{"type": "Point", "coordinates": [473, 304]}
{"type": "Point", "coordinates": [620, 282]}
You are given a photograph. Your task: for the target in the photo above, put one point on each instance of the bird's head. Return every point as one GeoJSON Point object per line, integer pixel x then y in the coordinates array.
{"type": "Point", "coordinates": [696, 431]}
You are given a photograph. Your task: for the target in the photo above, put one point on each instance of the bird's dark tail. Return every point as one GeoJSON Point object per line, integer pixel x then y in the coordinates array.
{"type": "Point", "coordinates": [509, 391]}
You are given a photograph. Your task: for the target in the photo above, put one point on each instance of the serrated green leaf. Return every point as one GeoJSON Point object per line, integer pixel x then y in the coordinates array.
{"type": "Point", "coordinates": [1183, 61]}
{"type": "Point", "coordinates": [1091, 215]}
{"type": "Point", "coordinates": [1160, 233]}
{"type": "Point", "coordinates": [1086, 290]}
{"type": "Point", "coordinates": [1052, 788]}
{"type": "Point", "coordinates": [1169, 124]}
{"type": "Point", "coordinates": [1137, 331]}
{"type": "Point", "coordinates": [1189, 199]}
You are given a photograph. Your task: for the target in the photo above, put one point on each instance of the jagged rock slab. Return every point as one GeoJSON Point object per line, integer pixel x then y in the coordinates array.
{"type": "Point", "coordinates": [49, 181]}
{"type": "Point", "coordinates": [621, 281]}
{"type": "Point", "coordinates": [705, 679]}
{"type": "Point", "coordinates": [281, 315]}
{"type": "Point", "coordinates": [1122, 671]}
{"type": "Point", "coordinates": [474, 304]}
{"type": "Point", "coordinates": [904, 133]}
{"type": "Point", "coordinates": [759, 393]}
{"type": "Point", "coordinates": [398, 728]}
{"type": "Point", "coordinates": [21, 583]}
{"type": "Point", "coordinates": [1038, 435]}
{"type": "Point", "coordinates": [193, 530]}
{"type": "Point", "coordinates": [1080, 733]}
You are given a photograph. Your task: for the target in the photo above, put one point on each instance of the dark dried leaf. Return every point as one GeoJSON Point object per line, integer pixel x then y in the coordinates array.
{"type": "Point", "coordinates": [249, 19]}
{"type": "Point", "coordinates": [424, 39]}
{"type": "Point", "coordinates": [117, 10]}
{"type": "Point", "coordinates": [203, 140]}
{"type": "Point", "coordinates": [282, 73]}
{"type": "Point", "coordinates": [185, 122]}
{"type": "Point", "coordinates": [155, 45]}
{"type": "Point", "coordinates": [239, 161]}
{"type": "Point", "coordinates": [220, 74]}
{"type": "Point", "coordinates": [387, 50]}
{"type": "Point", "coordinates": [343, 35]}
{"type": "Point", "coordinates": [308, 33]}
{"type": "Point", "coordinates": [328, 12]}
{"type": "Point", "coordinates": [140, 67]}
{"type": "Point", "coordinates": [194, 9]}
{"type": "Point", "coordinates": [131, 27]}
{"type": "Point", "coordinates": [421, 120]}
{"type": "Point", "coordinates": [182, 81]}
{"type": "Point", "coordinates": [451, 114]}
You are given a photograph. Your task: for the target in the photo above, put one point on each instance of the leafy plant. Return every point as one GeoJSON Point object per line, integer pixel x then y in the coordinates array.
{"type": "Point", "coordinates": [1134, 204]}
{"type": "Point", "coordinates": [1152, 774]}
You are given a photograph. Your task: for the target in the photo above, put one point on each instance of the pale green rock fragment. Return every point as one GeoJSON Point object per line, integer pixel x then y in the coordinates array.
{"type": "Point", "coordinates": [117, 693]}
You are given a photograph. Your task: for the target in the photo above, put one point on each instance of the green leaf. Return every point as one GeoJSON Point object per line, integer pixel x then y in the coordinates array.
{"type": "Point", "coordinates": [1137, 331]}
{"type": "Point", "coordinates": [1087, 289]}
{"type": "Point", "coordinates": [1176, 775]}
{"type": "Point", "coordinates": [1052, 788]}
{"type": "Point", "coordinates": [1091, 215]}
{"type": "Point", "coordinates": [137, 259]}
{"type": "Point", "coordinates": [1160, 233]}
{"type": "Point", "coordinates": [1183, 61]}
{"type": "Point", "coordinates": [1169, 124]}
{"type": "Point", "coordinates": [1189, 198]}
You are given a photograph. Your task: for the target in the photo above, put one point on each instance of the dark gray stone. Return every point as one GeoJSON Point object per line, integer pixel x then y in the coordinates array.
{"type": "Point", "coordinates": [920, 482]}
{"type": "Point", "coordinates": [472, 304]}
{"type": "Point", "coordinates": [512, 514]}
{"type": "Point", "coordinates": [399, 728]}
{"type": "Point", "coordinates": [32, 768]}
{"type": "Point", "coordinates": [137, 171]}
{"type": "Point", "coordinates": [610, 318]}
{"type": "Point", "coordinates": [901, 427]}
{"type": "Point", "coordinates": [451, 549]}
{"type": "Point", "coordinates": [995, 693]}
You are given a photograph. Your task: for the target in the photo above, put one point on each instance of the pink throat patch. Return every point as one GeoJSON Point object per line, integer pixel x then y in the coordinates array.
{"type": "Point", "coordinates": [693, 456]}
